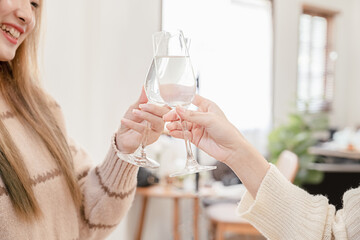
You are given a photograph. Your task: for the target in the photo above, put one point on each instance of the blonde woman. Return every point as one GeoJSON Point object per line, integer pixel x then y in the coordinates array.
{"type": "Point", "coordinates": [48, 186]}
{"type": "Point", "coordinates": [277, 208]}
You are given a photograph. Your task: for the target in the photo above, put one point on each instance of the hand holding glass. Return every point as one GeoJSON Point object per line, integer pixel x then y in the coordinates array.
{"type": "Point", "coordinates": [171, 81]}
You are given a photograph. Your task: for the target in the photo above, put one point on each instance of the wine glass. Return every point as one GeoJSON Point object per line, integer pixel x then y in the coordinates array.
{"type": "Point", "coordinates": [140, 158]}
{"type": "Point", "coordinates": [171, 81]}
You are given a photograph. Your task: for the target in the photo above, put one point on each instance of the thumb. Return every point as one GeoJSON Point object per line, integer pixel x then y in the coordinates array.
{"type": "Point", "coordinates": [200, 118]}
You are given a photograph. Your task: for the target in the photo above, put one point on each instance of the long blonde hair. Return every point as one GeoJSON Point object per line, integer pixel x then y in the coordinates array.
{"type": "Point", "coordinates": [19, 84]}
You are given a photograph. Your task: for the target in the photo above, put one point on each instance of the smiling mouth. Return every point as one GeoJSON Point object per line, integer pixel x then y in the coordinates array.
{"type": "Point", "coordinates": [12, 32]}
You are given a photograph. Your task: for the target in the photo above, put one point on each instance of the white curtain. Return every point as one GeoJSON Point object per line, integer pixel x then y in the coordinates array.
{"type": "Point", "coordinates": [231, 49]}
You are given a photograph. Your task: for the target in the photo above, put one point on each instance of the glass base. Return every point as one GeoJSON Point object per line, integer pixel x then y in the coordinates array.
{"type": "Point", "coordinates": [191, 170]}
{"type": "Point", "coordinates": [138, 158]}
{"type": "Point", "coordinates": [145, 162]}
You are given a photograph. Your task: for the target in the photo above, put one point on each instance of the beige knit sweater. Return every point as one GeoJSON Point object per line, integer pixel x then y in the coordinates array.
{"type": "Point", "coordinates": [108, 190]}
{"type": "Point", "coordinates": [283, 211]}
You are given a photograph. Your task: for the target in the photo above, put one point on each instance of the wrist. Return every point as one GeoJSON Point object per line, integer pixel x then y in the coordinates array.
{"type": "Point", "coordinates": [127, 157]}
{"type": "Point", "coordinates": [120, 146]}
{"type": "Point", "coordinates": [242, 152]}
{"type": "Point", "coordinates": [238, 150]}
{"type": "Point", "coordinates": [250, 167]}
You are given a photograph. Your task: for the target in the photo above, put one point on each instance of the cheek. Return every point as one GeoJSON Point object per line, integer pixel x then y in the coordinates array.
{"type": "Point", "coordinates": [31, 26]}
{"type": "Point", "coordinates": [6, 54]}
{"type": "Point", "coordinates": [6, 7]}
{"type": "Point", "coordinates": [28, 32]}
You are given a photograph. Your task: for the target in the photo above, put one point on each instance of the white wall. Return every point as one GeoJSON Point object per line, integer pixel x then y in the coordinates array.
{"type": "Point", "coordinates": [96, 56]}
{"type": "Point", "coordinates": [285, 59]}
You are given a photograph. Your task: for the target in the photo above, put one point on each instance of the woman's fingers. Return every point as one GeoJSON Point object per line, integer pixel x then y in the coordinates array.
{"type": "Point", "coordinates": [155, 109]}
{"type": "Point", "coordinates": [177, 134]}
{"type": "Point", "coordinates": [202, 102]}
{"type": "Point", "coordinates": [201, 118]}
{"type": "Point", "coordinates": [171, 116]}
{"type": "Point", "coordinates": [138, 127]}
{"type": "Point", "coordinates": [173, 126]}
{"type": "Point", "coordinates": [157, 124]}
{"type": "Point", "coordinates": [177, 126]}
{"type": "Point", "coordinates": [205, 105]}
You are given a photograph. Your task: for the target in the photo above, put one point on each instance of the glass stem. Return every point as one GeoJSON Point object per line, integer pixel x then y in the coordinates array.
{"type": "Point", "coordinates": [190, 160]}
{"type": "Point", "coordinates": [144, 140]}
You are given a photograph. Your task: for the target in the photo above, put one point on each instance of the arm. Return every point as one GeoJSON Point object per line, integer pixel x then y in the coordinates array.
{"type": "Point", "coordinates": [276, 207]}
{"type": "Point", "coordinates": [213, 133]}
{"type": "Point", "coordinates": [282, 210]}
{"type": "Point", "coordinates": [108, 191]}
{"type": "Point", "coordinates": [109, 188]}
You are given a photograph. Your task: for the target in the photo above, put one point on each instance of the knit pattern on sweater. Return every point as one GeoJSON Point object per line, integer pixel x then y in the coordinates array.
{"type": "Point", "coordinates": [282, 211]}
{"type": "Point", "coordinates": [108, 189]}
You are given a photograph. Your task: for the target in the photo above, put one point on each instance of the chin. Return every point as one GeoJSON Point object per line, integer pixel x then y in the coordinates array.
{"type": "Point", "coordinates": [7, 57]}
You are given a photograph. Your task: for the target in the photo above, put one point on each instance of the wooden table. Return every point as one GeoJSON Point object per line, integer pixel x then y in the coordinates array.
{"type": "Point", "coordinates": [333, 152]}
{"type": "Point", "coordinates": [159, 191]}
{"type": "Point", "coordinates": [347, 161]}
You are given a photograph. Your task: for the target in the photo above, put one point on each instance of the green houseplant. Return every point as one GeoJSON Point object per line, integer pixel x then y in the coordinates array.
{"type": "Point", "coordinates": [297, 135]}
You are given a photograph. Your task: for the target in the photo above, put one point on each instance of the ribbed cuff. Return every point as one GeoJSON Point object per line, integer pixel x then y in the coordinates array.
{"type": "Point", "coordinates": [283, 211]}
{"type": "Point", "coordinates": [351, 213]}
{"type": "Point", "coordinates": [117, 174]}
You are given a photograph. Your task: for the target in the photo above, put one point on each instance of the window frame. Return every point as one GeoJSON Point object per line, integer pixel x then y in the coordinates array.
{"type": "Point", "coordinates": [329, 15]}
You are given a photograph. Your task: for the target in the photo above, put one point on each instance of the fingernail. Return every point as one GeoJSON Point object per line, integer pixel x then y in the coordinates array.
{"type": "Point", "coordinates": [136, 111]}
{"type": "Point", "coordinates": [124, 120]}
{"type": "Point", "coordinates": [142, 106]}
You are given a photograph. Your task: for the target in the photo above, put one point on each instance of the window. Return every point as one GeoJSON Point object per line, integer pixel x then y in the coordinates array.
{"type": "Point", "coordinates": [231, 50]}
{"type": "Point", "coordinates": [316, 60]}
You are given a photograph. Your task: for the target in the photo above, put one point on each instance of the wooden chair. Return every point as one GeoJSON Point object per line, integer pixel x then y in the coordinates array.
{"type": "Point", "coordinates": [288, 164]}
{"type": "Point", "coordinates": [223, 216]}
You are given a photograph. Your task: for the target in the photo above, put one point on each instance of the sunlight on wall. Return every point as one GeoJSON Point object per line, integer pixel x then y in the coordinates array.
{"type": "Point", "coordinates": [231, 47]}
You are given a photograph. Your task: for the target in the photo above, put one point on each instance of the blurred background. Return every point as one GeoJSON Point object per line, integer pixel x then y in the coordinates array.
{"type": "Point", "coordinates": [286, 73]}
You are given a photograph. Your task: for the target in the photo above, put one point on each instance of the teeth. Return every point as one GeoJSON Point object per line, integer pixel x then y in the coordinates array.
{"type": "Point", "coordinates": [12, 31]}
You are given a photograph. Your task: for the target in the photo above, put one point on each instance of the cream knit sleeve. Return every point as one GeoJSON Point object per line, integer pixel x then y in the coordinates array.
{"type": "Point", "coordinates": [282, 210]}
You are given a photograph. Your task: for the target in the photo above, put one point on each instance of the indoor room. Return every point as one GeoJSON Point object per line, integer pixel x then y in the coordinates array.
{"type": "Point", "coordinates": [264, 92]}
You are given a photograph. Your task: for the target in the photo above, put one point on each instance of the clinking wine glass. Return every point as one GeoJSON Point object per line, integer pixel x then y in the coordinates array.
{"type": "Point", "coordinates": [171, 81]}
{"type": "Point", "coordinates": [140, 158]}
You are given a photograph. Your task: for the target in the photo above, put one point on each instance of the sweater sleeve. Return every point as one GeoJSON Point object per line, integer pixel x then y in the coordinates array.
{"type": "Point", "coordinates": [108, 189]}
{"type": "Point", "coordinates": [282, 210]}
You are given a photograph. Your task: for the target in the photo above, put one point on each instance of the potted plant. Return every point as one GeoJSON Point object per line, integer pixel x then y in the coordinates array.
{"type": "Point", "coordinates": [297, 135]}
